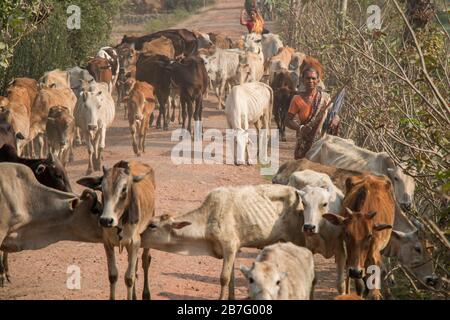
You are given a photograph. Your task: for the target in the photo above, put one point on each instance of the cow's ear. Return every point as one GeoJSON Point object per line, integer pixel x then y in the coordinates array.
{"type": "Point", "coordinates": [371, 215]}
{"type": "Point", "coordinates": [398, 235]}
{"type": "Point", "coordinates": [139, 178]}
{"type": "Point", "coordinates": [40, 169]}
{"type": "Point", "coordinates": [334, 218]}
{"type": "Point", "coordinates": [180, 225]}
{"type": "Point", "coordinates": [381, 226]}
{"type": "Point", "coordinates": [94, 183]}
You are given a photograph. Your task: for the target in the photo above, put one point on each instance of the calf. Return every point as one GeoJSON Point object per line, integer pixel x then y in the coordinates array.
{"type": "Point", "coordinates": [220, 40]}
{"type": "Point", "coordinates": [282, 271]}
{"type": "Point", "coordinates": [368, 229]}
{"type": "Point", "coordinates": [279, 62]}
{"type": "Point", "coordinates": [128, 191]}
{"type": "Point", "coordinates": [16, 113]}
{"type": "Point", "coordinates": [60, 130]}
{"type": "Point", "coordinates": [94, 113]}
{"type": "Point", "coordinates": [141, 103]}
{"type": "Point", "coordinates": [230, 218]}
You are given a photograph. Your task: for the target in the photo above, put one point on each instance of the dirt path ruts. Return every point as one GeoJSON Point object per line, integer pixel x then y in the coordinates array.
{"type": "Point", "coordinates": [42, 274]}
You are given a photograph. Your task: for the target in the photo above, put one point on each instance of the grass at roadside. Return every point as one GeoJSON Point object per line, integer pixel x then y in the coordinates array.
{"type": "Point", "coordinates": [166, 21]}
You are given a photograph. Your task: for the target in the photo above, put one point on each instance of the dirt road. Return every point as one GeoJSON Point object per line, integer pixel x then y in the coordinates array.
{"type": "Point", "coordinates": [43, 274]}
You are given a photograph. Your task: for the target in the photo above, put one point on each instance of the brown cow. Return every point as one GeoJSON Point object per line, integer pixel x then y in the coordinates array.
{"type": "Point", "coordinates": [55, 79]}
{"type": "Point", "coordinates": [220, 40]}
{"type": "Point", "coordinates": [141, 103]}
{"type": "Point", "coordinates": [60, 130]}
{"type": "Point", "coordinates": [127, 211]}
{"type": "Point", "coordinates": [101, 70]}
{"type": "Point", "coordinates": [367, 224]}
{"type": "Point", "coordinates": [184, 41]}
{"type": "Point", "coordinates": [161, 45]}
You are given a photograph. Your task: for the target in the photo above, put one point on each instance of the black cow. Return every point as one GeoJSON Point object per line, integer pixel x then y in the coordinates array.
{"type": "Point", "coordinates": [48, 172]}
{"type": "Point", "coordinates": [191, 77]}
{"type": "Point", "coordinates": [283, 92]}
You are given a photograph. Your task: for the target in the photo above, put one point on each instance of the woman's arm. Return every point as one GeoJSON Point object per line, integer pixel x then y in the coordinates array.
{"type": "Point", "coordinates": [243, 21]}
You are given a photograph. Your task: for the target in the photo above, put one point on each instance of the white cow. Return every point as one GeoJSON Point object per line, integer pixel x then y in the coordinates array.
{"type": "Point", "coordinates": [343, 153]}
{"type": "Point", "coordinates": [246, 104]}
{"type": "Point", "coordinates": [94, 112]}
{"type": "Point", "coordinates": [319, 196]}
{"type": "Point", "coordinates": [282, 271]}
{"type": "Point", "coordinates": [251, 67]}
{"type": "Point", "coordinates": [222, 69]}
{"type": "Point", "coordinates": [230, 218]}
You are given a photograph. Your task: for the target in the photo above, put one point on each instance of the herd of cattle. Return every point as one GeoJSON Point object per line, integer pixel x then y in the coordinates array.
{"type": "Point", "coordinates": [341, 201]}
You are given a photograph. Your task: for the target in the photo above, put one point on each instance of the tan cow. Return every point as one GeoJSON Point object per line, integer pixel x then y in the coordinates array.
{"type": "Point", "coordinates": [282, 271]}
{"type": "Point", "coordinates": [279, 62]}
{"type": "Point", "coordinates": [230, 218]}
{"type": "Point", "coordinates": [55, 79]}
{"type": "Point", "coordinates": [46, 99]}
{"type": "Point", "coordinates": [141, 103]}
{"type": "Point", "coordinates": [30, 85]}
{"type": "Point", "coordinates": [128, 191]}
{"type": "Point", "coordinates": [162, 46]}
{"type": "Point", "coordinates": [367, 230]}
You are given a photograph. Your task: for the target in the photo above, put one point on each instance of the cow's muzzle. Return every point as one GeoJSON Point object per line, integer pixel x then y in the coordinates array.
{"type": "Point", "coordinates": [406, 206]}
{"type": "Point", "coordinates": [106, 222]}
{"type": "Point", "coordinates": [92, 127]}
{"type": "Point", "coordinates": [309, 229]}
{"type": "Point", "coordinates": [355, 273]}
{"type": "Point", "coordinates": [432, 280]}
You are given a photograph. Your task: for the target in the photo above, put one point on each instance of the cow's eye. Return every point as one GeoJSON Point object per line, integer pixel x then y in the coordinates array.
{"type": "Point", "coordinates": [278, 282]}
{"type": "Point", "coordinates": [369, 236]}
{"type": "Point", "coordinates": [325, 204]}
{"type": "Point", "coordinates": [395, 178]}
{"type": "Point", "coordinates": [124, 191]}
{"type": "Point", "coordinates": [152, 226]}
{"type": "Point", "coordinates": [251, 280]}
{"type": "Point", "coordinates": [418, 250]}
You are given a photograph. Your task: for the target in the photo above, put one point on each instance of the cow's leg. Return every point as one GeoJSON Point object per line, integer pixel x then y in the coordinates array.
{"type": "Point", "coordinates": [229, 255]}
{"type": "Point", "coordinates": [146, 260]}
{"type": "Point", "coordinates": [183, 111]}
{"type": "Point", "coordinates": [222, 85]}
{"type": "Point", "coordinates": [190, 112]}
{"type": "Point", "coordinates": [90, 148]}
{"type": "Point", "coordinates": [112, 270]}
{"type": "Point", "coordinates": [130, 275]}
{"type": "Point", "coordinates": [77, 137]}
{"type": "Point", "coordinates": [41, 148]}
{"type": "Point", "coordinates": [198, 117]}
{"type": "Point", "coordinates": [163, 111]}
{"type": "Point", "coordinates": [133, 136]}
{"type": "Point", "coordinates": [375, 260]}
{"type": "Point", "coordinates": [2, 270]}
{"type": "Point", "coordinates": [158, 120]}
{"type": "Point", "coordinates": [100, 146]}
{"type": "Point", "coordinates": [341, 259]}
{"type": "Point", "coordinates": [6, 266]}
{"type": "Point", "coordinates": [143, 133]}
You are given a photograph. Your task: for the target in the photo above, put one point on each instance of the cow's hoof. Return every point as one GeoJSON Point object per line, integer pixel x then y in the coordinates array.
{"type": "Point", "coordinates": [172, 119]}
{"type": "Point", "coordinates": [89, 172]}
{"type": "Point", "coordinates": [97, 165]}
{"type": "Point", "coordinates": [283, 139]}
{"type": "Point", "coordinates": [146, 296]}
{"type": "Point", "coordinates": [135, 149]}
